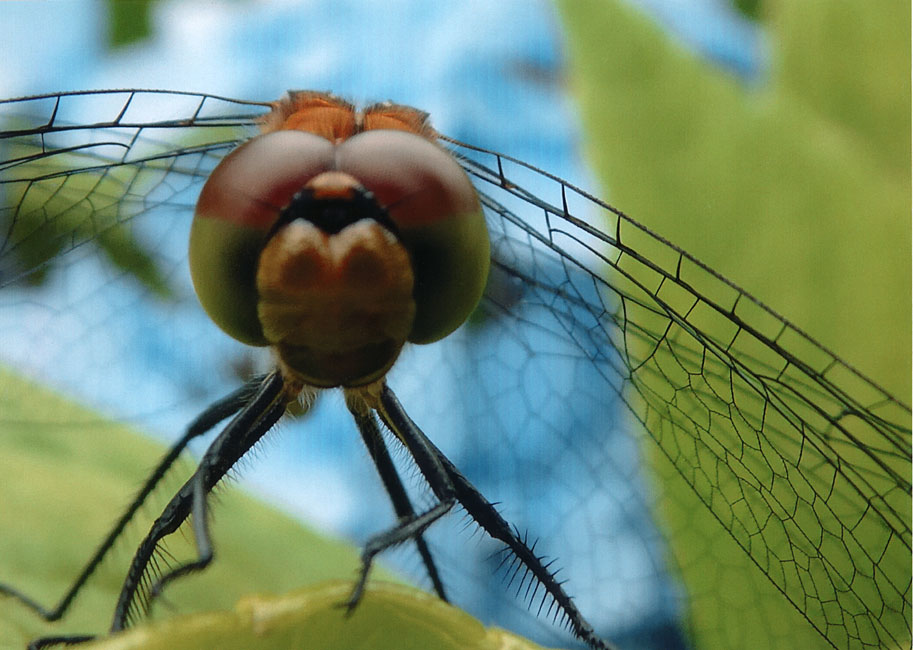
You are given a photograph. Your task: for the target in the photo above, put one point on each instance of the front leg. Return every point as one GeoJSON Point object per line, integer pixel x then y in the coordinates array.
{"type": "Point", "coordinates": [247, 427]}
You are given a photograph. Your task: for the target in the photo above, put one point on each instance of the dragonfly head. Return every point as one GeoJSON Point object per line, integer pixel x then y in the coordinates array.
{"type": "Point", "coordinates": [306, 197]}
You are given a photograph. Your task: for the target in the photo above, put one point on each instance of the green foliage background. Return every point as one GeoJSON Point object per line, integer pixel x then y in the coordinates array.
{"type": "Point", "coordinates": [796, 187]}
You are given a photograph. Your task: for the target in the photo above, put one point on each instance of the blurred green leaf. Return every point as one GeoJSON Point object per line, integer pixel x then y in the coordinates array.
{"type": "Point", "coordinates": [391, 617]}
{"type": "Point", "coordinates": [129, 21]}
{"type": "Point", "coordinates": [749, 8]}
{"type": "Point", "coordinates": [44, 213]}
{"type": "Point", "coordinates": [798, 189]}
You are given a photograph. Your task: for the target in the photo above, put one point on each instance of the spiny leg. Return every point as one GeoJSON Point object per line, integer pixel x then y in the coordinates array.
{"type": "Point", "coordinates": [412, 526]}
{"type": "Point", "coordinates": [237, 437]}
{"type": "Point", "coordinates": [370, 434]}
{"type": "Point", "coordinates": [48, 641]}
{"type": "Point", "coordinates": [485, 514]}
{"type": "Point", "coordinates": [265, 408]}
{"type": "Point", "coordinates": [210, 417]}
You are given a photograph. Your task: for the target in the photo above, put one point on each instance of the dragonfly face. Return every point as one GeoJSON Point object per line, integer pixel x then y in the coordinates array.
{"type": "Point", "coordinates": [803, 462]}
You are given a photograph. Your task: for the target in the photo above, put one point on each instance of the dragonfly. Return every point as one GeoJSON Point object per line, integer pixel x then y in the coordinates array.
{"type": "Point", "coordinates": [799, 458]}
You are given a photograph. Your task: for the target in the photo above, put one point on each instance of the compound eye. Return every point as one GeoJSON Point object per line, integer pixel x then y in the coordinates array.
{"type": "Point", "coordinates": [238, 205]}
{"type": "Point", "coordinates": [439, 219]}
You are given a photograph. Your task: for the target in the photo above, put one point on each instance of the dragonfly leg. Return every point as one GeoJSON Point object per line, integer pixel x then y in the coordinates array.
{"type": "Point", "coordinates": [413, 526]}
{"type": "Point", "coordinates": [49, 641]}
{"type": "Point", "coordinates": [259, 415]}
{"type": "Point", "coordinates": [209, 418]}
{"type": "Point", "coordinates": [200, 512]}
{"type": "Point", "coordinates": [405, 530]}
{"type": "Point", "coordinates": [485, 514]}
{"type": "Point", "coordinates": [370, 434]}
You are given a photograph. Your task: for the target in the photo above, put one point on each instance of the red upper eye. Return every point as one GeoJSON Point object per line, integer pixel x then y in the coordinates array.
{"type": "Point", "coordinates": [259, 178]}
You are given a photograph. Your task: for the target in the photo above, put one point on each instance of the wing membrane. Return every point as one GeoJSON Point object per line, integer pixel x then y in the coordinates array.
{"type": "Point", "coordinates": [804, 461]}
{"type": "Point", "coordinates": [66, 182]}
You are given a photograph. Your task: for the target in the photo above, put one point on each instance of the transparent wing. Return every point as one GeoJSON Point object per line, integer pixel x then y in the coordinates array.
{"type": "Point", "coordinates": [801, 460]}
{"type": "Point", "coordinates": [66, 182]}
{"type": "Point", "coordinates": [647, 420]}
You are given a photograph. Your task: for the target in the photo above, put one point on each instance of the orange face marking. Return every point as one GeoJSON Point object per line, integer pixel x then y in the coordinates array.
{"type": "Point", "coordinates": [398, 118]}
{"type": "Point", "coordinates": [318, 113]}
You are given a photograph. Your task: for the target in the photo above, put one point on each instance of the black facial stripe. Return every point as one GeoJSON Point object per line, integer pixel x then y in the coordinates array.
{"type": "Point", "coordinates": [333, 214]}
